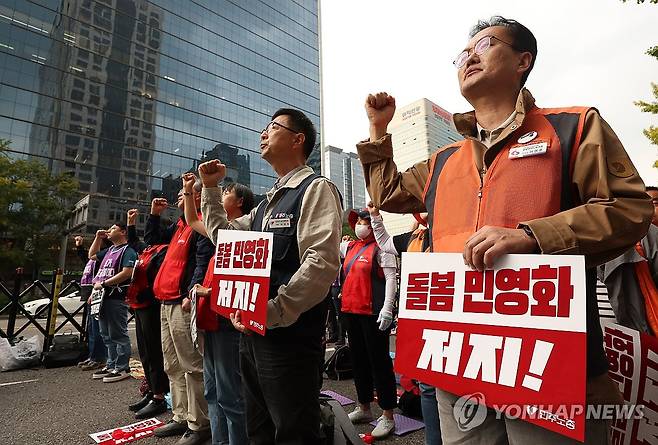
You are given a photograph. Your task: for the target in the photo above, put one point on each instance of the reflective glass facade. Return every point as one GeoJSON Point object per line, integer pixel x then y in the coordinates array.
{"type": "Point", "coordinates": [126, 95]}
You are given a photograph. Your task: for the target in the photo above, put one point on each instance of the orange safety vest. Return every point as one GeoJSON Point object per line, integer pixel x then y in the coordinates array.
{"type": "Point", "coordinates": [514, 188]}
{"type": "Point", "coordinates": [416, 240]}
{"type": "Point", "coordinates": [648, 289]}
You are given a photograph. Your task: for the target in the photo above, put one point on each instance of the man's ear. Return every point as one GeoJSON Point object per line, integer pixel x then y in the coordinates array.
{"type": "Point", "coordinates": [524, 62]}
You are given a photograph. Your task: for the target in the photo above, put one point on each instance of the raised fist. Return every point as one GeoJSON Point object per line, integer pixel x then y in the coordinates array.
{"type": "Point", "coordinates": [132, 216]}
{"type": "Point", "coordinates": [211, 172]}
{"type": "Point", "coordinates": [374, 211]}
{"type": "Point", "coordinates": [188, 182]}
{"type": "Point", "coordinates": [78, 241]}
{"type": "Point", "coordinates": [380, 108]}
{"type": "Point", "coordinates": [158, 205]}
{"type": "Point", "coordinates": [102, 234]}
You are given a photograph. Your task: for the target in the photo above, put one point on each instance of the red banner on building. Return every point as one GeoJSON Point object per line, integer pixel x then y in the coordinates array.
{"type": "Point", "coordinates": [243, 263]}
{"type": "Point", "coordinates": [515, 335]}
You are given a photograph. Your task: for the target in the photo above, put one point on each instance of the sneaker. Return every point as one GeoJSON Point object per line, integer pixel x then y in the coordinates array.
{"type": "Point", "coordinates": [192, 437]}
{"type": "Point", "coordinates": [92, 365]}
{"type": "Point", "coordinates": [360, 416]}
{"type": "Point", "coordinates": [115, 375]}
{"type": "Point", "coordinates": [153, 408]}
{"type": "Point", "coordinates": [84, 362]}
{"type": "Point", "coordinates": [384, 427]}
{"type": "Point", "coordinates": [171, 428]}
{"type": "Point", "coordinates": [100, 373]}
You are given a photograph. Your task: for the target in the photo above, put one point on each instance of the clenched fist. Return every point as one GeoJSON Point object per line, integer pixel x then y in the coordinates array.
{"type": "Point", "coordinates": [374, 211]}
{"type": "Point", "coordinates": [380, 108]}
{"type": "Point", "coordinates": [212, 172]}
{"type": "Point", "coordinates": [132, 216]}
{"type": "Point", "coordinates": [188, 182]}
{"type": "Point", "coordinates": [158, 205]}
{"type": "Point", "coordinates": [101, 234]}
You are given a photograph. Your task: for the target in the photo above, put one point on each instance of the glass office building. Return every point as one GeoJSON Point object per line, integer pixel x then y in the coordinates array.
{"type": "Point", "coordinates": [126, 95]}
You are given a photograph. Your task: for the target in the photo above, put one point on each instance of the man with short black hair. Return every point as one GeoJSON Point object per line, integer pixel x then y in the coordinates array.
{"type": "Point", "coordinates": [523, 180]}
{"type": "Point", "coordinates": [280, 369]}
{"type": "Point", "coordinates": [113, 277]}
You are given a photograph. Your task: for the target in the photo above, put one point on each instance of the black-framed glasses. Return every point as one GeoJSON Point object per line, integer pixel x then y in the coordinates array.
{"type": "Point", "coordinates": [273, 125]}
{"type": "Point", "coordinates": [480, 48]}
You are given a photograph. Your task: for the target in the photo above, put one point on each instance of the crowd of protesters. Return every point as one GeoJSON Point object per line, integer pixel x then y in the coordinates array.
{"type": "Point", "coordinates": [580, 195]}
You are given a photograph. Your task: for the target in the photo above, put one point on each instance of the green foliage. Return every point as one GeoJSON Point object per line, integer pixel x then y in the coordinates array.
{"type": "Point", "coordinates": [34, 208]}
{"type": "Point", "coordinates": [639, 2]}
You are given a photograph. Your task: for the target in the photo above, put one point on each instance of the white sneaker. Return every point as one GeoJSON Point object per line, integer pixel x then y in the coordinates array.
{"type": "Point", "coordinates": [384, 428]}
{"type": "Point", "coordinates": [360, 416]}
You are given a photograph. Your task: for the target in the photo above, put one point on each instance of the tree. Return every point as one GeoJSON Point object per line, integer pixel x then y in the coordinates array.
{"type": "Point", "coordinates": [651, 107]}
{"type": "Point", "coordinates": [34, 208]}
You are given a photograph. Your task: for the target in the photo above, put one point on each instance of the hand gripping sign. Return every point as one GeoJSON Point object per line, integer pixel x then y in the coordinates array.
{"type": "Point", "coordinates": [243, 261]}
{"type": "Point", "coordinates": [515, 334]}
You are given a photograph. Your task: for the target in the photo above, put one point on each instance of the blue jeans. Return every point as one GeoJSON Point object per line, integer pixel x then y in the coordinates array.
{"type": "Point", "coordinates": [430, 408]}
{"type": "Point", "coordinates": [223, 387]}
{"type": "Point", "coordinates": [97, 349]}
{"type": "Point", "coordinates": [113, 322]}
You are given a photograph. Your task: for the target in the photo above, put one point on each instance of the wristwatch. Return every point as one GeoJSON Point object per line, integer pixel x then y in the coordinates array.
{"type": "Point", "coordinates": [528, 231]}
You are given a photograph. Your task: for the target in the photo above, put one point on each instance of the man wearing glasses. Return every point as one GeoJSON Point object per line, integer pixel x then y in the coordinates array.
{"type": "Point", "coordinates": [523, 180]}
{"type": "Point", "coordinates": [281, 370]}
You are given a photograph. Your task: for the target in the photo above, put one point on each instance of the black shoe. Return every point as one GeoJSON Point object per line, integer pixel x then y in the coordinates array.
{"type": "Point", "coordinates": [152, 409]}
{"type": "Point", "coordinates": [171, 428]}
{"type": "Point", "coordinates": [194, 437]}
{"type": "Point", "coordinates": [142, 403]}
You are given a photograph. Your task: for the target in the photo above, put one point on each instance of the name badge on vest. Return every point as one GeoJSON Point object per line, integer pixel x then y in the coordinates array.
{"type": "Point", "coordinates": [524, 151]}
{"type": "Point", "coordinates": [279, 223]}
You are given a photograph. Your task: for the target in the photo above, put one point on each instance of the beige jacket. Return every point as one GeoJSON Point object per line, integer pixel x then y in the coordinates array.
{"type": "Point", "coordinates": [318, 237]}
{"type": "Point", "coordinates": [616, 212]}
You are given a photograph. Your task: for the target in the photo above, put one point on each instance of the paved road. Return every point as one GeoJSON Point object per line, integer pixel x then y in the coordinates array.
{"type": "Point", "coordinates": [62, 406]}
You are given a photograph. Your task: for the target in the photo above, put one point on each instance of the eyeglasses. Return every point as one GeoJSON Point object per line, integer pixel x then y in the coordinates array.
{"type": "Point", "coordinates": [274, 125]}
{"type": "Point", "coordinates": [480, 48]}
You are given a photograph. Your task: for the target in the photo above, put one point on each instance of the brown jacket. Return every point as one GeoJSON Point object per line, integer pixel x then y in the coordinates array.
{"type": "Point", "coordinates": [616, 212]}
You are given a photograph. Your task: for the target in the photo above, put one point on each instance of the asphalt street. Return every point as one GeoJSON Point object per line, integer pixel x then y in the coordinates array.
{"type": "Point", "coordinates": [64, 405]}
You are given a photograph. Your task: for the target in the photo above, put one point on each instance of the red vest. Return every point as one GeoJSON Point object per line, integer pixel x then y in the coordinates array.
{"type": "Point", "coordinates": [514, 189]}
{"type": "Point", "coordinates": [167, 284]}
{"type": "Point", "coordinates": [206, 318]}
{"type": "Point", "coordinates": [364, 285]}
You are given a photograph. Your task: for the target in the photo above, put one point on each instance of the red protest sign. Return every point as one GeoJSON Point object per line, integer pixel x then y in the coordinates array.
{"type": "Point", "coordinates": [241, 278]}
{"type": "Point", "coordinates": [633, 359]}
{"type": "Point", "coordinates": [515, 334]}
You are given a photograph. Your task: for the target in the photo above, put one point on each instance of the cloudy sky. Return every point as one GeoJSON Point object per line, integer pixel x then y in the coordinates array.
{"type": "Point", "coordinates": [590, 53]}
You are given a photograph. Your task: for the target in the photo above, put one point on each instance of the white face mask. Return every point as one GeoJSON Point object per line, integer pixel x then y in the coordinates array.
{"type": "Point", "coordinates": [362, 231]}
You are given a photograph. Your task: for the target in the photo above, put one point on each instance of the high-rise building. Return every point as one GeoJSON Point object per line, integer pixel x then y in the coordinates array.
{"type": "Point", "coordinates": [126, 95]}
{"type": "Point", "coordinates": [419, 129]}
{"type": "Point", "coordinates": [345, 170]}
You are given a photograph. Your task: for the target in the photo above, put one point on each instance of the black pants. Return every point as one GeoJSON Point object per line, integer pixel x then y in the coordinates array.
{"type": "Point", "coordinates": [281, 388]}
{"type": "Point", "coordinates": [149, 343]}
{"type": "Point", "coordinates": [373, 367]}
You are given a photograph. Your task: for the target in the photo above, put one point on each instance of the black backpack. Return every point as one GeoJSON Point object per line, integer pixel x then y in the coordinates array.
{"type": "Point", "coordinates": [339, 365]}
{"type": "Point", "coordinates": [335, 426]}
{"type": "Point", "coordinates": [65, 350]}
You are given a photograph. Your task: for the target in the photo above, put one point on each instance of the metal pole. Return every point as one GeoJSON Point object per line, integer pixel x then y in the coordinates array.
{"type": "Point", "coordinates": [62, 251]}
{"type": "Point", "coordinates": [13, 308]}
{"type": "Point", "coordinates": [55, 289]}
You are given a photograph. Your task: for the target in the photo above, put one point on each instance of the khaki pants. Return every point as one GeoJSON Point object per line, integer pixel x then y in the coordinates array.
{"type": "Point", "coordinates": [504, 431]}
{"type": "Point", "coordinates": [184, 366]}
